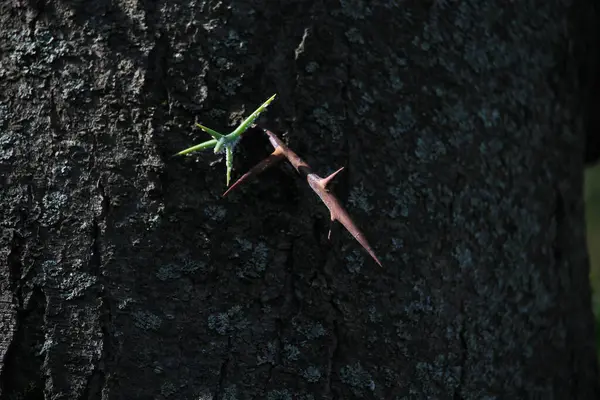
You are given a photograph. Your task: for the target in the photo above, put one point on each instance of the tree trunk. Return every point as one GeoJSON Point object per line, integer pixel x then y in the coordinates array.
{"type": "Point", "coordinates": [125, 275]}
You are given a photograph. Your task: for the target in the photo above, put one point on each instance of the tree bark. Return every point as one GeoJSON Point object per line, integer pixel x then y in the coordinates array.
{"type": "Point", "coordinates": [461, 124]}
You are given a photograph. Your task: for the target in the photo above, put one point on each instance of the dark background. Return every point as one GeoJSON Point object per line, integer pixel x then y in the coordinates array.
{"type": "Point", "coordinates": [462, 126]}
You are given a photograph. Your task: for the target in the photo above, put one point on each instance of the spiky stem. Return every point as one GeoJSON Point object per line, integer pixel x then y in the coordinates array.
{"type": "Point", "coordinates": [316, 183]}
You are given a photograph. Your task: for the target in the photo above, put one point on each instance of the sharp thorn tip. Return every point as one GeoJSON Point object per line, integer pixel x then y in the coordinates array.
{"type": "Point", "coordinates": [325, 181]}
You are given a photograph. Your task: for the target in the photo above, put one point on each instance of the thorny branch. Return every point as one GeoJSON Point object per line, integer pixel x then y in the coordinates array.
{"type": "Point", "coordinates": [316, 183]}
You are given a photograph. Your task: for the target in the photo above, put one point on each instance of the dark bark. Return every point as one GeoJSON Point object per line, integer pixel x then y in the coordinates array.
{"type": "Point", "coordinates": [461, 125]}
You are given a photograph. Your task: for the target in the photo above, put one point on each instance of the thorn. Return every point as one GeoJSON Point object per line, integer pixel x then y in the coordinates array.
{"type": "Point", "coordinates": [342, 216]}
{"type": "Point", "coordinates": [268, 162]}
{"type": "Point", "coordinates": [201, 146]}
{"type": "Point", "coordinates": [337, 211]}
{"type": "Point", "coordinates": [228, 162]}
{"type": "Point", "coordinates": [266, 103]}
{"type": "Point", "coordinates": [374, 257]}
{"type": "Point", "coordinates": [371, 252]}
{"type": "Point", "coordinates": [213, 133]}
{"type": "Point", "coordinates": [326, 180]}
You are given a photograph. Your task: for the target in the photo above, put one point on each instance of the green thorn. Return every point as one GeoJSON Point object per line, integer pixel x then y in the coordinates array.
{"type": "Point", "coordinates": [214, 134]}
{"type": "Point", "coordinates": [229, 161]}
{"type": "Point", "coordinates": [197, 147]}
{"type": "Point", "coordinates": [248, 121]}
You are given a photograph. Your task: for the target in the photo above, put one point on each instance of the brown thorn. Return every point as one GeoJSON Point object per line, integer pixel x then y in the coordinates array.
{"type": "Point", "coordinates": [268, 162]}
{"type": "Point", "coordinates": [325, 181]}
{"type": "Point", "coordinates": [318, 184]}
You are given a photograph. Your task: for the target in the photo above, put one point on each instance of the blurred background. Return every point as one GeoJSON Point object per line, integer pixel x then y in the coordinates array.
{"type": "Point", "coordinates": [592, 209]}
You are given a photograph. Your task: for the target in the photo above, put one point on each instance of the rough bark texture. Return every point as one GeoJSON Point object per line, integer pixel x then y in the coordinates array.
{"type": "Point", "coordinates": [124, 275]}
